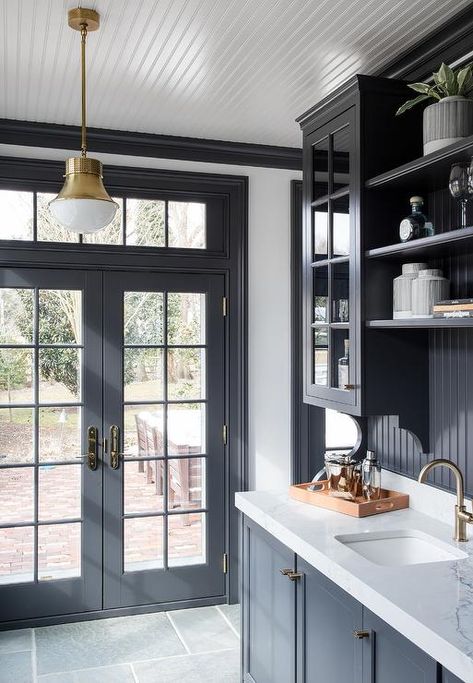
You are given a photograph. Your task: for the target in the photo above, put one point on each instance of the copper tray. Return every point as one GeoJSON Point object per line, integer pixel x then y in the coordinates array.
{"type": "Point", "coordinates": [389, 500]}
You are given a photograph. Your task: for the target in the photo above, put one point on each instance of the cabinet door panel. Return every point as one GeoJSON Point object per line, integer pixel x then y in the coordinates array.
{"type": "Point", "coordinates": [388, 657]}
{"type": "Point", "coordinates": [327, 617]}
{"type": "Point", "coordinates": [268, 609]}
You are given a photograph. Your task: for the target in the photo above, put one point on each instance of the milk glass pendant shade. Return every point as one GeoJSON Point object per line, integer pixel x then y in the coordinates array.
{"type": "Point", "coordinates": [83, 205]}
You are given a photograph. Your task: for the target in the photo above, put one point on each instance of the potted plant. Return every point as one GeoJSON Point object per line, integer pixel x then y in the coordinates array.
{"type": "Point", "coordinates": [450, 117]}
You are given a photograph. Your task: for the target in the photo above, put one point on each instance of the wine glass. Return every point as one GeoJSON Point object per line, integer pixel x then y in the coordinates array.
{"type": "Point", "coordinates": [460, 185]}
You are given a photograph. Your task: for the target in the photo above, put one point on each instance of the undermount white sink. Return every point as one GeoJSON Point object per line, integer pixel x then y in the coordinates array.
{"type": "Point", "coordinates": [403, 547]}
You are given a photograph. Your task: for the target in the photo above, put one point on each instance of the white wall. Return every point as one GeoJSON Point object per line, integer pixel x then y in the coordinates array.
{"type": "Point", "coordinates": [269, 304]}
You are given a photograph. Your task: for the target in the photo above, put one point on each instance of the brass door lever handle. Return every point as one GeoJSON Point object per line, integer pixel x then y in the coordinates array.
{"type": "Point", "coordinates": [114, 447]}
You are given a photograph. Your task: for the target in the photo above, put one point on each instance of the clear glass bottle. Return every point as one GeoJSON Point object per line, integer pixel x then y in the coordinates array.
{"type": "Point", "coordinates": [416, 224]}
{"type": "Point", "coordinates": [344, 366]}
{"type": "Point", "coordinates": [371, 477]}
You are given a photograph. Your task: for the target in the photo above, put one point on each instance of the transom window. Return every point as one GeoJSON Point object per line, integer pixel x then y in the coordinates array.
{"type": "Point", "coordinates": [139, 222]}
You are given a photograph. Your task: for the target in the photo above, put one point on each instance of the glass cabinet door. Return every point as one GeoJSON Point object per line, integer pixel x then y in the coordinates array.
{"type": "Point", "coordinates": [330, 247]}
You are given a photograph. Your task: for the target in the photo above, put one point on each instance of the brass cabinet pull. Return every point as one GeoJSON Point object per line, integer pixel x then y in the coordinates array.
{"type": "Point", "coordinates": [114, 447]}
{"type": "Point", "coordinates": [291, 574]}
{"type": "Point", "coordinates": [348, 387]}
{"type": "Point", "coordinates": [361, 634]}
{"type": "Point", "coordinates": [92, 448]}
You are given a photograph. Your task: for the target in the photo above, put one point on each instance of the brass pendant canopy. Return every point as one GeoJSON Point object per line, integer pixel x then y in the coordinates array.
{"type": "Point", "coordinates": [83, 205]}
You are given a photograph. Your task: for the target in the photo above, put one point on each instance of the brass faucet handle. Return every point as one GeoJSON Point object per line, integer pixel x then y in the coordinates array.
{"type": "Point", "coordinates": [464, 515]}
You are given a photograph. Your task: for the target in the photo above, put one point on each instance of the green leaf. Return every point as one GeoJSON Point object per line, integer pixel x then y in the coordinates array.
{"type": "Point", "coordinates": [420, 87]}
{"type": "Point", "coordinates": [463, 78]}
{"type": "Point", "coordinates": [411, 103]}
{"type": "Point", "coordinates": [448, 79]}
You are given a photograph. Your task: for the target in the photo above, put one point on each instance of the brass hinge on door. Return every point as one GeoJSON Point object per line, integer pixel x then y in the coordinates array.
{"type": "Point", "coordinates": [224, 306]}
{"type": "Point", "coordinates": [225, 435]}
{"type": "Point", "coordinates": [225, 563]}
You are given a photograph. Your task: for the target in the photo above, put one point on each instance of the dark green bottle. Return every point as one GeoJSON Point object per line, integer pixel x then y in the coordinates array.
{"type": "Point", "coordinates": [416, 224]}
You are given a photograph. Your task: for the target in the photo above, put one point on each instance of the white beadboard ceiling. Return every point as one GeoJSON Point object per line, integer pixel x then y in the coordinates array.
{"type": "Point", "coordinates": [237, 70]}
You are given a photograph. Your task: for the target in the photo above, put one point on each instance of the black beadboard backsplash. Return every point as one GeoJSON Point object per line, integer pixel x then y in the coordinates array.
{"type": "Point", "coordinates": [450, 396]}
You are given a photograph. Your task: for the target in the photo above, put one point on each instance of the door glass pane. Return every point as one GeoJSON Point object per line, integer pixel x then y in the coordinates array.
{"type": "Point", "coordinates": [16, 435]}
{"type": "Point", "coordinates": [145, 222]}
{"type": "Point", "coordinates": [59, 375]}
{"type": "Point", "coordinates": [16, 376]}
{"type": "Point", "coordinates": [321, 356]}
{"type": "Point", "coordinates": [341, 158]}
{"type": "Point", "coordinates": [186, 539]}
{"type": "Point", "coordinates": [143, 373]}
{"type": "Point", "coordinates": [16, 215]}
{"type": "Point", "coordinates": [16, 494]}
{"type": "Point", "coordinates": [144, 486]}
{"type": "Point", "coordinates": [144, 428]}
{"type": "Point", "coordinates": [320, 153]}
{"type": "Point", "coordinates": [59, 492]}
{"type": "Point", "coordinates": [186, 225]}
{"type": "Point", "coordinates": [143, 318]}
{"type": "Point", "coordinates": [60, 316]}
{"type": "Point", "coordinates": [49, 230]}
{"type": "Point", "coordinates": [321, 307]}
{"type": "Point", "coordinates": [186, 318]}
{"type": "Point", "coordinates": [186, 428]}
{"type": "Point", "coordinates": [341, 359]}
{"type": "Point", "coordinates": [16, 555]}
{"type": "Point", "coordinates": [59, 551]}
{"type": "Point", "coordinates": [59, 433]}
{"type": "Point", "coordinates": [321, 232]}
{"type": "Point", "coordinates": [113, 233]}
{"type": "Point", "coordinates": [16, 316]}
{"type": "Point", "coordinates": [143, 543]}
{"type": "Point", "coordinates": [340, 292]}
{"type": "Point", "coordinates": [341, 226]}
{"type": "Point", "coordinates": [186, 373]}
{"type": "Point", "coordinates": [186, 477]}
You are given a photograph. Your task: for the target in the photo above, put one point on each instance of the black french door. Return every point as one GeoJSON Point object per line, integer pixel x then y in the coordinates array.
{"type": "Point", "coordinates": [111, 446]}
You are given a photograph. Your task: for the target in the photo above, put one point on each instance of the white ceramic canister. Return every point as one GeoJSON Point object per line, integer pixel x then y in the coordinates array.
{"type": "Point", "coordinates": [428, 288]}
{"type": "Point", "coordinates": [402, 289]}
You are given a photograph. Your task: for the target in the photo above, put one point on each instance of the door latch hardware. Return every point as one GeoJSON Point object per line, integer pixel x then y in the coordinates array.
{"type": "Point", "coordinates": [114, 447]}
{"type": "Point", "coordinates": [291, 574]}
{"type": "Point", "coordinates": [347, 387]}
{"type": "Point", "coordinates": [225, 563]}
{"type": "Point", "coordinates": [92, 448]}
{"type": "Point", "coordinates": [361, 634]}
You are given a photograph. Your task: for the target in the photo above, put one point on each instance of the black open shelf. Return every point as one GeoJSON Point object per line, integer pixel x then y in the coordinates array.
{"type": "Point", "coordinates": [420, 323]}
{"type": "Point", "coordinates": [443, 244]}
{"type": "Point", "coordinates": [429, 172]}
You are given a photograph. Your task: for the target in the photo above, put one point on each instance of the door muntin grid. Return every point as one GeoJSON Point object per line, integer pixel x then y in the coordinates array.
{"type": "Point", "coordinates": [165, 427]}
{"type": "Point", "coordinates": [41, 406]}
{"type": "Point", "coordinates": [330, 317]}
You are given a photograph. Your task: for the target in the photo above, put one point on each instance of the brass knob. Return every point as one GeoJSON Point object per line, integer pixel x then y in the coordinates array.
{"type": "Point", "coordinates": [361, 634]}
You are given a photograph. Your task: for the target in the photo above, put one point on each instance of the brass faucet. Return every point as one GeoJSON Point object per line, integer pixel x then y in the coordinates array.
{"type": "Point", "coordinates": [462, 517]}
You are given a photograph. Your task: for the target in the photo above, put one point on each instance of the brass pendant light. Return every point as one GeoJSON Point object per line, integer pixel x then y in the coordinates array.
{"type": "Point", "coordinates": [83, 205]}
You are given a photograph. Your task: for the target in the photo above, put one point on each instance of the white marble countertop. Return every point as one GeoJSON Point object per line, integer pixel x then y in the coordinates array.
{"type": "Point", "coordinates": [430, 604]}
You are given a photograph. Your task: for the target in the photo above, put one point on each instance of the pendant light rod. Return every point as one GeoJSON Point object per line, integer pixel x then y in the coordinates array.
{"type": "Point", "coordinates": [83, 33]}
{"type": "Point", "coordinates": [83, 20]}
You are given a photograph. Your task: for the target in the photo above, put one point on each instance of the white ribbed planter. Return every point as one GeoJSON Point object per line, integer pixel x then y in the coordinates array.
{"type": "Point", "coordinates": [446, 122]}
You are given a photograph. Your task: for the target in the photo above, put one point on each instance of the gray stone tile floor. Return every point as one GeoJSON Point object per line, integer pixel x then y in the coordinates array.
{"type": "Point", "coordinates": [184, 646]}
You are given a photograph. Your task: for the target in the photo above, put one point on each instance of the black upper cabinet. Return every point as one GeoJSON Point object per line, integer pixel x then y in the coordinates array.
{"type": "Point", "coordinates": [348, 138]}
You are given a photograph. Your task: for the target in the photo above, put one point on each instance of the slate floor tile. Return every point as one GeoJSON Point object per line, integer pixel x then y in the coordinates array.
{"type": "Point", "coordinates": [15, 641]}
{"type": "Point", "coordinates": [16, 667]}
{"type": "Point", "coordinates": [203, 629]}
{"type": "Point", "coordinates": [108, 674]}
{"type": "Point", "coordinates": [104, 642]}
{"type": "Point", "coordinates": [232, 613]}
{"type": "Point", "coordinates": [216, 667]}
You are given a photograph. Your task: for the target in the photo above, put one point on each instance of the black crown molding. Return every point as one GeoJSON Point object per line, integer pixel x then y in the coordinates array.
{"type": "Point", "coordinates": [449, 43]}
{"type": "Point", "coordinates": [58, 136]}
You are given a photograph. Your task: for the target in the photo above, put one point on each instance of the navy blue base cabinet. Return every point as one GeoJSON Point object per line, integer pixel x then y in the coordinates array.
{"type": "Point", "coordinates": [299, 627]}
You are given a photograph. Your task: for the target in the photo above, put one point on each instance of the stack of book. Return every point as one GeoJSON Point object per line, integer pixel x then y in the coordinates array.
{"type": "Point", "coordinates": [453, 308]}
